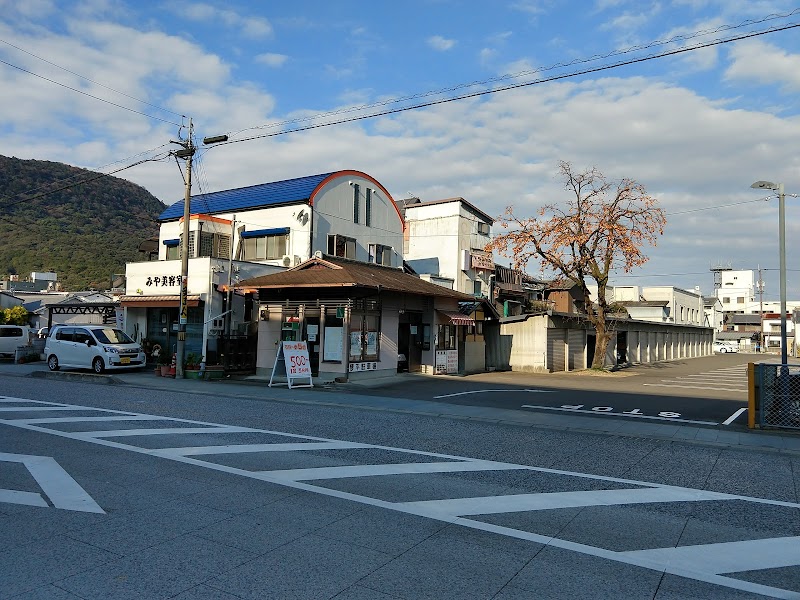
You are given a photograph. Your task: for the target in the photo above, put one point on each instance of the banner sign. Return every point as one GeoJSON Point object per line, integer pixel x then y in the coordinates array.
{"type": "Point", "coordinates": [293, 359]}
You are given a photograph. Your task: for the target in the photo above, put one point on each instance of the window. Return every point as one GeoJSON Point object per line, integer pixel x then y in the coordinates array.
{"type": "Point", "coordinates": [446, 337]}
{"type": "Point", "coordinates": [368, 208]}
{"type": "Point", "coordinates": [65, 334]}
{"type": "Point", "coordinates": [355, 202]}
{"type": "Point", "coordinates": [380, 255]}
{"type": "Point", "coordinates": [483, 228]}
{"type": "Point", "coordinates": [365, 331]}
{"type": "Point", "coordinates": [81, 336]}
{"type": "Point", "coordinates": [477, 287]}
{"type": "Point", "coordinates": [215, 245]}
{"type": "Point", "coordinates": [726, 300]}
{"type": "Point", "coordinates": [740, 300]}
{"type": "Point", "coordinates": [11, 332]}
{"type": "Point", "coordinates": [173, 252]}
{"type": "Point", "coordinates": [265, 247]}
{"type": "Point", "coordinates": [339, 245]}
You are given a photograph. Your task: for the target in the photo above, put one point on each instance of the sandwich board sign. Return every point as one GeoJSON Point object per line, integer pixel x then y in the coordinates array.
{"type": "Point", "coordinates": [292, 359]}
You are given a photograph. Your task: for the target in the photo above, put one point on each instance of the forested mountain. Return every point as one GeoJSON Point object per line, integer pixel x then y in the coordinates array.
{"type": "Point", "coordinates": [85, 233]}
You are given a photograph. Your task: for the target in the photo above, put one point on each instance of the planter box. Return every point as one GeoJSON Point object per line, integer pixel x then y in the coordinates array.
{"type": "Point", "coordinates": [191, 373]}
{"type": "Point", "coordinates": [215, 373]}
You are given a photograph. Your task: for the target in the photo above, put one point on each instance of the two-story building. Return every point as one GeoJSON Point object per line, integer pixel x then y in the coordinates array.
{"type": "Point", "coordinates": [239, 237]}
{"type": "Point", "coordinates": [242, 233]}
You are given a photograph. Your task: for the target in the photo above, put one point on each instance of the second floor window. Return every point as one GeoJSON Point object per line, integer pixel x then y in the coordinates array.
{"type": "Point", "coordinates": [215, 245]}
{"type": "Point", "coordinates": [356, 191]}
{"type": "Point", "coordinates": [265, 247]}
{"type": "Point", "coordinates": [339, 245]}
{"type": "Point", "coordinates": [380, 255]}
{"type": "Point", "coordinates": [368, 208]}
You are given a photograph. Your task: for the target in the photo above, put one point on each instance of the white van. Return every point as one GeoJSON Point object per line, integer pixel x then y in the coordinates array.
{"type": "Point", "coordinates": [96, 347]}
{"type": "Point", "coordinates": [11, 337]}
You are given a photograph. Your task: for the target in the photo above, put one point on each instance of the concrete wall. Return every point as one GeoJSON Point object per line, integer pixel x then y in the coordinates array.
{"type": "Point", "coordinates": [557, 343]}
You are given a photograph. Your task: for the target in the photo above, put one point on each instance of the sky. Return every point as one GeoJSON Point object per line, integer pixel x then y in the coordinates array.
{"type": "Point", "coordinates": [656, 91]}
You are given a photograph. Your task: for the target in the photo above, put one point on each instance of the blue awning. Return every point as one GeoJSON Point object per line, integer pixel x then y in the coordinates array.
{"type": "Point", "coordinates": [175, 242]}
{"type": "Point", "coordinates": [263, 232]}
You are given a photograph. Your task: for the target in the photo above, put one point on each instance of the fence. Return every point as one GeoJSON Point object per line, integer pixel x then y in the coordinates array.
{"type": "Point", "coordinates": [775, 395]}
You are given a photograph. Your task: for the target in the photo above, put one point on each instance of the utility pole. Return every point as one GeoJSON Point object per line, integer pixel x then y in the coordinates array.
{"type": "Point", "coordinates": [187, 152]}
{"type": "Point", "coordinates": [228, 291]}
{"type": "Point", "coordinates": [761, 309]}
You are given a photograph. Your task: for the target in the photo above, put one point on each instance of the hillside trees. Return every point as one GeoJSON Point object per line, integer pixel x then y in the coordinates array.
{"type": "Point", "coordinates": [603, 225]}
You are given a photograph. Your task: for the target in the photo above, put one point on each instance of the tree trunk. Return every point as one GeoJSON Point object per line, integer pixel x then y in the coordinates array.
{"type": "Point", "coordinates": [602, 338]}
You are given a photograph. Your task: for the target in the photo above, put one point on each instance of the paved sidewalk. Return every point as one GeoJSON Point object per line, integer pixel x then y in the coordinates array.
{"type": "Point", "coordinates": [347, 395]}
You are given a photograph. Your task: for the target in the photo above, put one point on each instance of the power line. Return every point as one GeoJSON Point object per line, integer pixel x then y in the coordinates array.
{"type": "Point", "coordinates": [596, 57]}
{"type": "Point", "coordinates": [91, 80]}
{"type": "Point", "coordinates": [133, 110]}
{"type": "Point", "coordinates": [85, 181]}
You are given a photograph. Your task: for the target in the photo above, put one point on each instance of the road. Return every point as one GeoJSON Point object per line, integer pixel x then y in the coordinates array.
{"type": "Point", "coordinates": [709, 391]}
{"type": "Point", "coordinates": [118, 492]}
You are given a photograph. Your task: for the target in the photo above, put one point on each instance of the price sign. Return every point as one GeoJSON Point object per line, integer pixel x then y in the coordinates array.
{"type": "Point", "coordinates": [297, 362]}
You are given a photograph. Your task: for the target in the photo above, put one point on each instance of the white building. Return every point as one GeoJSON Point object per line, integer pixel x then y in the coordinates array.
{"type": "Point", "coordinates": [445, 241]}
{"type": "Point", "coordinates": [248, 232]}
{"type": "Point", "coordinates": [658, 304]}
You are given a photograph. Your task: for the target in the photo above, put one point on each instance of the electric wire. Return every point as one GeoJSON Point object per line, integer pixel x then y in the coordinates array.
{"type": "Point", "coordinates": [594, 58]}
{"type": "Point", "coordinates": [92, 80]}
{"type": "Point", "coordinates": [133, 110]}
{"type": "Point", "coordinates": [481, 93]}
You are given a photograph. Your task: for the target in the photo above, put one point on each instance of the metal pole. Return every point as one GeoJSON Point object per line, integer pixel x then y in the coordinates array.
{"type": "Point", "coordinates": [184, 309]}
{"type": "Point", "coordinates": [782, 249]}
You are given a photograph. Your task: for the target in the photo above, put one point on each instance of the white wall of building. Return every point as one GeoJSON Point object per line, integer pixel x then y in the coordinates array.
{"type": "Point", "coordinates": [443, 238]}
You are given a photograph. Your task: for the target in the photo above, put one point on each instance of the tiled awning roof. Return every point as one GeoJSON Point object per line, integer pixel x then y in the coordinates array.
{"type": "Point", "coordinates": [457, 318]}
{"type": "Point", "coordinates": [166, 301]}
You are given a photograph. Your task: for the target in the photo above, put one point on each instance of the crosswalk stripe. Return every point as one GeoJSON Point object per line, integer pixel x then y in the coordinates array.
{"type": "Point", "coordinates": [246, 448]}
{"type": "Point", "coordinates": [726, 557]}
{"type": "Point", "coordinates": [390, 469]}
{"type": "Point", "coordinates": [166, 431]}
{"type": "Point", "coordinates": [548, 501]}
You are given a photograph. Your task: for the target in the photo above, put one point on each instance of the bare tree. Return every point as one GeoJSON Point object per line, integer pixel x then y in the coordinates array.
{"type": "Point", "coordinates": [604, 225]}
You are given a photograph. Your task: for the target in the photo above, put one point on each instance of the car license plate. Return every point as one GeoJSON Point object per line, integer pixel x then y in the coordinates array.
{"type": "Point", "coordinates": [124, 360]}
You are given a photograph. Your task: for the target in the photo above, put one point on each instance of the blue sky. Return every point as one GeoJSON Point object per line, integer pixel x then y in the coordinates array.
{"type": "Point", "coordinates": [696, 128]}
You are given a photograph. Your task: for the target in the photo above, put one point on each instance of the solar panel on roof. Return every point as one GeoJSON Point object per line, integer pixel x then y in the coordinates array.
{"type": "Point", "coordinates": [254, 196]}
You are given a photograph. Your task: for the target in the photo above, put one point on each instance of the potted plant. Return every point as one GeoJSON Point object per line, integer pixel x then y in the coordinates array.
{"type": "Point", "coordinates": [164, 363]}
{"type": "Point", "coordinates": [191, 367]}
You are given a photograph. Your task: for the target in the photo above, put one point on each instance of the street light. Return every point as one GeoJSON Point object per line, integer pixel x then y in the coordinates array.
{"type": "Point", "coordinates": [778, 187]}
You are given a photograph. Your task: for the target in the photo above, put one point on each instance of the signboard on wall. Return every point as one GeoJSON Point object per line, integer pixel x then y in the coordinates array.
{"type": "Point", "coordinates": [482, 261]}
{"type": "Point", "coordinates": [446, 362]}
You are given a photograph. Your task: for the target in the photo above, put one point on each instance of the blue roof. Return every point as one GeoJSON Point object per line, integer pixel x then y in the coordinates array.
{"type": "Point", "coordinates": [255, 196]}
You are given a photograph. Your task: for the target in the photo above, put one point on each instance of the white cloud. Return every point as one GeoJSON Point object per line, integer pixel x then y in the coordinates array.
{"type": "Point", "coordinates": [254, 27]}
{"type": "Point", "coordinates": [440, 43]}
{"type": "Point", "coordinates": [271, 60]}
{"type": "Point", "coordinates": [762, 63]}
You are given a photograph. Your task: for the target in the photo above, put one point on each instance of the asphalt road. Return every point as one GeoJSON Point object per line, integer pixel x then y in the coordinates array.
{"type": "Point", "coordinates": [709, 390]}
{"type": "Point", "coordinates": [116, 492]}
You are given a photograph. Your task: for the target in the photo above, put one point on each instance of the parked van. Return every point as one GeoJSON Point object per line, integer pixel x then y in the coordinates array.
{"type": "Point", "coordinates": [11, 337]}
{"type": "Point", "coordinates": [96, 347]}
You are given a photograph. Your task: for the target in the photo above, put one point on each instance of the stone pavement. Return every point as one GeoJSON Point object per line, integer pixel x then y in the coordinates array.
{"type": "Point", "coordinates": [347, 395]}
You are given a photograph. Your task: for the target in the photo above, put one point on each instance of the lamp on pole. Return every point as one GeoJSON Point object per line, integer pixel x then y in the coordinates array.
{"type": "Point", "coordinates": [778, 187]}
{"type": "Point", "coordinates": [186, 152]}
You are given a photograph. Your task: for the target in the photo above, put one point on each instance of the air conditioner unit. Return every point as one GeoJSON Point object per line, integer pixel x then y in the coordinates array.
{"type": "Point", "coordinates": [287, 260]}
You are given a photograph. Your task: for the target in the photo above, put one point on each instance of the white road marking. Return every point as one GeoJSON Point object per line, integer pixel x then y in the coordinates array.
{"type": "Point", "coordinates": [244, 448]}
{"type": "Point", "coordinates": [727, 557]}
{"type": "Point", "coordinates": [620, 414]}
{"type": "Point", "coordinates": [677, 560]}
{"type": "Point", "coordinates": [18, 497]}
{"type": "Point", "coordinates": [63, 491]}
{"type": "Point", "coordinates": [88, 435]}
{"type": "Point", "coordinates": [457, 507]}
{"type": "Point", "coordinates": [696, 387]}
{"type": "Point", "coordinates": [487, 391]}
{"type": "Point", "coordinates": [734, 416]}
{"type": "Point", "coordinates": [390, 469]}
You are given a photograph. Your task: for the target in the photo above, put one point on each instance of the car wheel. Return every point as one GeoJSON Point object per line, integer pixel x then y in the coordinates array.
{"type": "Point", "coordinates": [98, 366]}
{"type": "Point", "coordinates": [52, 362]}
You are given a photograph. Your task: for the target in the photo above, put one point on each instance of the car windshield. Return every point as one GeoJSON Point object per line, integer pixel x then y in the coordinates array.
{"type": "Point", "coordinates": [107, 335]}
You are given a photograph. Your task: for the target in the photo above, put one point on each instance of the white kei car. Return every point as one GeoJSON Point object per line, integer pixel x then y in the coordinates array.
{"type": "Point", "coordinates": [725, 347]}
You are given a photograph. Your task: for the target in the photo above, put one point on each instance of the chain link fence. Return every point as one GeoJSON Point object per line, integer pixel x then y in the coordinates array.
{"type": "Point", "coordinates": [778, 395]}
